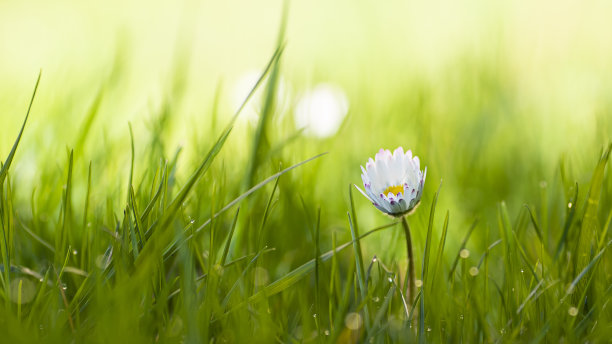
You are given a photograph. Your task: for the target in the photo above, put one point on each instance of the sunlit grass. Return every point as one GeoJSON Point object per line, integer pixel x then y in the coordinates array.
{"type": "Point", "coordinates": [248, 230]}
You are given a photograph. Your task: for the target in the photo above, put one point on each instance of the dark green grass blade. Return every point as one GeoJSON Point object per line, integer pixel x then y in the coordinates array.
{"type": "Point", "coordinates": [536, 226]}
{"type": "Point", "coordinates": [568, 224]}
{"type": "Point", "coordinates": [156, 197]}
{"type": "Point", "coordinates": [425, 266]}
{"type": "Point", "coordinates": [267, 211]}
{"type": "Point", "coordinates": [228, 241]}
{"type": "Point", "coordinates": [381, 313]}
{"type": "Point", "coordinates": [588, 268]}
{"type": "Point", "coordinates": [604, 234]}
{"type": "Point", "coordinates": [353, 224]}
{"type": "Point", "coordinates": [524, 255]}
{"type": "Point", "coordinates": [426, 253]}
{"type": "Point", "coordinates": [589, 221]}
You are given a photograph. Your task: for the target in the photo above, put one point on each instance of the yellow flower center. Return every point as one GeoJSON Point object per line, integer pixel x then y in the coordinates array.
{"type": "Point", "coordinates": [394, 189]}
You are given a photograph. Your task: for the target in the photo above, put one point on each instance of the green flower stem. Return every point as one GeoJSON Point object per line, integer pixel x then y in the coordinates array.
{"type": "Point", "coordinates": [410, 273]}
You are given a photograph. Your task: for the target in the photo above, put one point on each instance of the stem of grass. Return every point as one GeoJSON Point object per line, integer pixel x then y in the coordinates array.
{"type": "Point", "coordinates": [410, 272]}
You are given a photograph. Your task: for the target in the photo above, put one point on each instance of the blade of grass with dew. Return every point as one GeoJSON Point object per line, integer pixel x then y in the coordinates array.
{"type": "Point", "coordinates": [425, 267]}
{"type": "Point", "coordinates": [85, 250]}
{"type": "Point", "coordinates": [63, 232]}
{"type": "Point", "coordinates": [354, 227]}
{"type": "Point", "coordinates": [463, 243]}
{"type": "Point", "coordinates": [589, 229]}
{"type": "Point", "coordinates": [300, 272]}
{"type": "Point", "coordinates": [568, 223]}
{"type": "Point", "coordinates": [160, 238]}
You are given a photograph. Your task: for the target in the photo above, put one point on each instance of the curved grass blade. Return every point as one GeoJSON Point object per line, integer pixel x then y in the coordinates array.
{"type": "Point", "coordinates": [9, 158]}
{"type": "Point", "coordinates": [536, 226]}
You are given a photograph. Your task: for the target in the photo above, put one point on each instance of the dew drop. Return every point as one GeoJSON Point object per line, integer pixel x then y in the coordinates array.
{"type": "Point", "coordinates": [353, 321]}
{"type": "Point", "coordinates": [418, 283]}
{"type": "Point", "coordinates": [465, 253]}
{"type": "Point", "coordinates": [473, 271]}
{"type": "Point", "coordinates": [314, 315]}
{"type": "Point", "coordinates": [376, 299]}
{"type": "Point", "coordinates": [326, 332]}
{"type": "Point", "coordinates": [429, 329]}
{"type": "Point", "coordinates": [573, 311]}
{"type": "Point", "coordinates": [75, 252]}
{"type": "Point", "coordinates": [569, 205]}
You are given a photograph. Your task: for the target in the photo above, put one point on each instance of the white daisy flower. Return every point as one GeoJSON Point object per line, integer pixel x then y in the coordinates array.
{"type": "Point", "coordinates": [393, 182]}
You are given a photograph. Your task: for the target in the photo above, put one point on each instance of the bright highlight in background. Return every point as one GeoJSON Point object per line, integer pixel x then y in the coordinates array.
{"type": "Point", "coordinates": [251, 112]}
{"type": "Point", "coordinates": [321, 111]}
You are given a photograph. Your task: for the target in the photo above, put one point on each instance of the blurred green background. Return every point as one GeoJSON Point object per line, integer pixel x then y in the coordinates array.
{"type": "Point", "coordinates": [491, 96]}
{"type": "Point", "coordinates": [503, 101]}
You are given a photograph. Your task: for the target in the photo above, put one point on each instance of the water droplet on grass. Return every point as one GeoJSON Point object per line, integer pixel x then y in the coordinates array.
{"type": "Point", "coordinates": [353, 321]}
{"type": "Point", "coordinates": [573, 311]}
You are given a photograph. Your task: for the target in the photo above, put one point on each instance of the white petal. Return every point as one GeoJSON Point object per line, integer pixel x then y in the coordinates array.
{"type": "Point", "coordinates": [363, 193]}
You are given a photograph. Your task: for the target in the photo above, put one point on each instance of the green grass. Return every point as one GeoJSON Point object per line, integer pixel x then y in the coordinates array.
{"type": "Point", "coordinates": [253, 236]}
